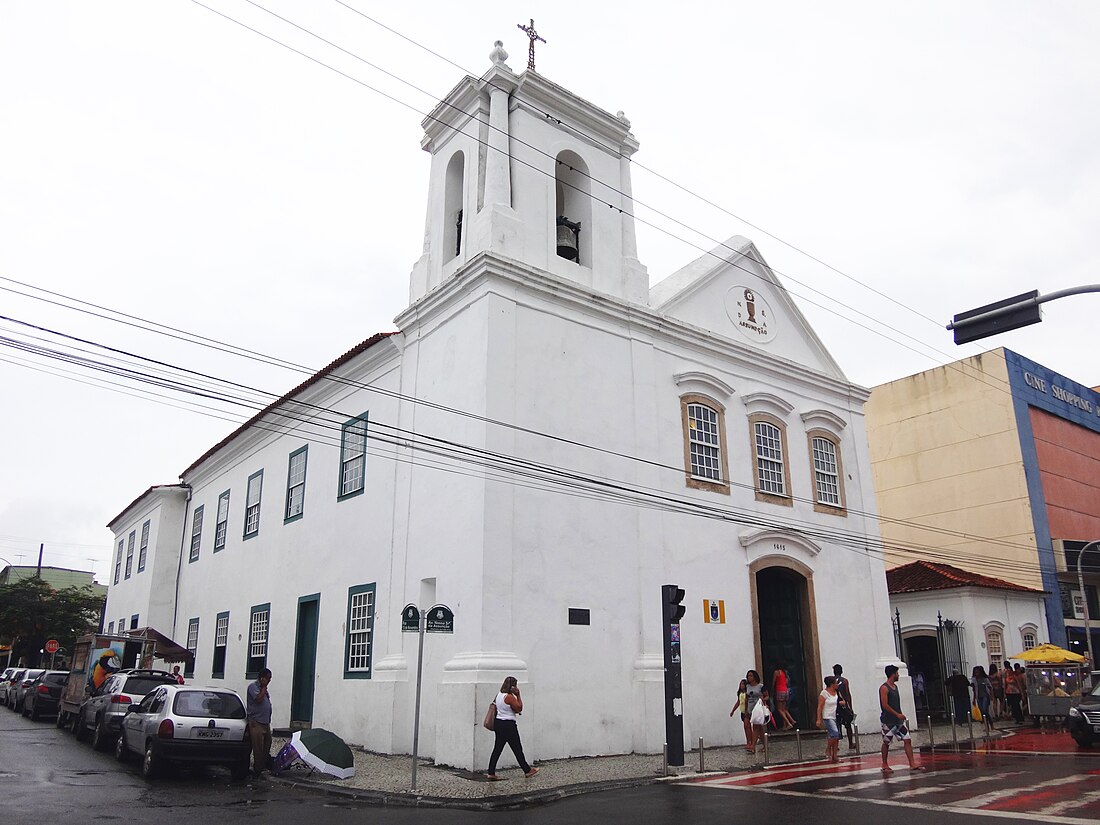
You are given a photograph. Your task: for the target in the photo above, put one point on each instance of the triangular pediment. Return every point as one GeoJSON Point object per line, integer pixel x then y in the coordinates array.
{"type": "Point", "coordinates": [732, 292]}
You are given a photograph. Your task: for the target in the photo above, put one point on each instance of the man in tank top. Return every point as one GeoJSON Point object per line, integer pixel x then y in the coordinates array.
{"type": "Point", "coordinates": [894, 723]}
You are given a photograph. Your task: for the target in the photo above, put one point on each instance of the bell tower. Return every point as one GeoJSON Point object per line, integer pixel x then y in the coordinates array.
{"type": "Point", "coordinates": [525, 169]}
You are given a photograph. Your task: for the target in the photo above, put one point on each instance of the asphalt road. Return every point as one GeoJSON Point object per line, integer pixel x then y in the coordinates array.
{"type": "Point", "coordinates": [47, 774]}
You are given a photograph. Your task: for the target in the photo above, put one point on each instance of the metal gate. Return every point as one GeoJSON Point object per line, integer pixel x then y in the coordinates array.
{"type": "Point", "coordinates": [949, 635]}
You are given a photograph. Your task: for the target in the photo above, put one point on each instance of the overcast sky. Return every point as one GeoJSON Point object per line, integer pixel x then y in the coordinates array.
{"type": "Point", "coordinates": [160, 160]}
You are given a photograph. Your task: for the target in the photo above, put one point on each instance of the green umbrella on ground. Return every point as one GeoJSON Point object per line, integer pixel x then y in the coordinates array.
{"type": "Point", "coordinates": [324, 751]}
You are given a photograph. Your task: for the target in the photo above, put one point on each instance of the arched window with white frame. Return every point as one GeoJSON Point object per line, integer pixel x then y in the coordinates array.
{"type": "Point", "coordinates": [1029, 636]}
{"type": "Point", "coordinates": [995, 645]}
{"type": "Point", "coordinates": [704, 443]}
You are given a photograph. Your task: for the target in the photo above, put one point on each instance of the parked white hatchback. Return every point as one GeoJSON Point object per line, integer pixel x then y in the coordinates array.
{"type": "Point", "coordinates": [180, 724]}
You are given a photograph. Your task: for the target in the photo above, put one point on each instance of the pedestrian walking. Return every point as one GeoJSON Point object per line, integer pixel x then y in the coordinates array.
{"type": "Point", "coordinates": [959, 686]}
{"type": "Point", "coordinates": [996, 682]}
{"type": "Point", "coordinates": [756, 700]}
{"type": "Point", "coordinates": [827, 703]}
{"type": "Point", "coordinates": [780, 691]}
{"type": "Point", "coordinates": [258, 721]}
{"type": "Point", "coordinates": [508, 705]}
{"type": "Point", "coordinates": [844, 688]}
{"type": "Point", "coordinates": [1014, 694]}
{"type": "Point", "coordinates": [177, 674]}
{"type": "Point", "coordinates": [742, 707]}
{"type": "Point", "coordinates": [983, 694]}
{"type": "Point", "coordinates": [894, 723]}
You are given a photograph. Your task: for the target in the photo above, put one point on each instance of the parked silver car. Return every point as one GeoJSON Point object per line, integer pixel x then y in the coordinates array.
{"type": "Point", "coordinates": [186, 725]}
{"type": "Point", "coordinates": [5, 682]}
{"type": "Point", "coordinates": [20, 685]}
{"type": "Point", "coordinates": [102, 712]}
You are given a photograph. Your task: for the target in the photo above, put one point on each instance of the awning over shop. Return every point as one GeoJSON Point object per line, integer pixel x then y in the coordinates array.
{"type": "Point", "coordinates": [166, 649]}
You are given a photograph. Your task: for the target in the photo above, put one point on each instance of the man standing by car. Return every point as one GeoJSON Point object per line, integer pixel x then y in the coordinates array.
{"type": "Point", "coordinates": [259, 721]}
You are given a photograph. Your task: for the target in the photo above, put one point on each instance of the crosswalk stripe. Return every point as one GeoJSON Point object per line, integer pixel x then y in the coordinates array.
{"type": "Point", "coordinates": [996, 796]}
{"type": "Point", "coordinates": [1058, 808]}
{"type": "Point", "coordinates": [927, 789]}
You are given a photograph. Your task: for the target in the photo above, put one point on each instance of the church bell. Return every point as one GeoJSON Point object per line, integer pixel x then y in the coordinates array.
{"type": "Point", "coordinates": [567, 238]}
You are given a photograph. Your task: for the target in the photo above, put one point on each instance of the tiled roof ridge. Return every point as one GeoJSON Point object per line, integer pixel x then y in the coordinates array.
{"type": "Point", "coordinates": [923, 575]}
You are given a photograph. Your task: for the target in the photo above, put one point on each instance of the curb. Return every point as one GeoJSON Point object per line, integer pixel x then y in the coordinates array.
{"type": "Point", "coordinates": [411, 799]}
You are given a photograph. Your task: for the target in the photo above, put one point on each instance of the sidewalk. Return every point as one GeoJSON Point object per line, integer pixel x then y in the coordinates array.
{"type": "Point", "coordinates": [386, 780]}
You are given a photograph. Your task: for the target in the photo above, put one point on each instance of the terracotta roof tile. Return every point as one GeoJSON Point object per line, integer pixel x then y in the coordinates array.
{"type": "Point", "coordinates": [925, 575]}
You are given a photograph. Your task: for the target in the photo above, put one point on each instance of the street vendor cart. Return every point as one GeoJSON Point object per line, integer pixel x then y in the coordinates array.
{"type": "Point", "coordinates": [1055, 680]}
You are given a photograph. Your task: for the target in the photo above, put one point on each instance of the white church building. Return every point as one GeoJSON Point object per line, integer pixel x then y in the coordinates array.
{"type": "Point", "coordinates": [544, 442]}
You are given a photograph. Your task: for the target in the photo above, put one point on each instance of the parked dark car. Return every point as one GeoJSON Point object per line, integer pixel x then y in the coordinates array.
{"type": "Point", "coordinates": [1083, 720]}
{"type": "Point", "coordinates": [44, 694]}
{"type": "Point", "coordinates": [19, 690]}
{"type": "Point", "coordinates": [175, 724]}
{"type": "Point", "coordinates": [102, 712]}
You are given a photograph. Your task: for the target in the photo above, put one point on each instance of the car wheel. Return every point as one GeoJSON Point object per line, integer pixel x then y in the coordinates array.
{"type": "Point", "coordinates": [60, 720]}
{"type": "Point", "coordinates": [25, 711]}
{"type": "Point", "coordinates": [35, 714]}
{"type": "Point", "coordinates": [101, 737]}
{"type": "Point", "coordinates": [121, 753]}
{"type": "Point", "coordinates": [150, 764]}
{"type": "Point", "coordinates": [79, 728]}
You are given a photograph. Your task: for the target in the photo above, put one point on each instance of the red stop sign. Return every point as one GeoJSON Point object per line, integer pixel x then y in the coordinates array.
{"type": "Point", "coordinates": [52, 646]}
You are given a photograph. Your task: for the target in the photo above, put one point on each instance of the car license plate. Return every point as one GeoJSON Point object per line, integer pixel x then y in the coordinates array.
{"type": "Point", "coordinates": [208, 733]}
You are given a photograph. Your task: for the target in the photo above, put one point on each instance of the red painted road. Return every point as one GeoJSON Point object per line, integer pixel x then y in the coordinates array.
{"type": "Point", "coordinates": [1037, 775]}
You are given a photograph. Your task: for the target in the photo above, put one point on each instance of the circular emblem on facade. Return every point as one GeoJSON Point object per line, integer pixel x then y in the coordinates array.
{"type": "Point", "coordinates": [750, 313]}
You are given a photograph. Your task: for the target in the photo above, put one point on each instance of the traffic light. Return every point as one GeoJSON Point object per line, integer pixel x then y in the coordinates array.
{"type": "Point", "coordinates": [672, 596]}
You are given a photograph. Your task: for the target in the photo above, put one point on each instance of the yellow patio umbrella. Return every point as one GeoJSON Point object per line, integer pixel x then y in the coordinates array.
{"type": "Point", "coordinates": [1049, 653]}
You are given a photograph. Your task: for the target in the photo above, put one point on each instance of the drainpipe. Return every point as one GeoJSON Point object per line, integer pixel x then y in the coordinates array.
{"type": "Point", "coordinates": [179, 565]}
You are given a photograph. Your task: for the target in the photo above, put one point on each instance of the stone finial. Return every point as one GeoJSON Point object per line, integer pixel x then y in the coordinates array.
{"type": "Point", "coordinates": [498, 55]}
{"type": "Point", "coordinates": [621, 115]}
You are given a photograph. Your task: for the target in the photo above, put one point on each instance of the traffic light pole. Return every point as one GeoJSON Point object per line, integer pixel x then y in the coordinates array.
{"type": "Point", "coordinates": [671, 612]}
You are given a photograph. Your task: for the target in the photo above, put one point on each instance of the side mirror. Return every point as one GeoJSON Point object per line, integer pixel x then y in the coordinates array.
{"type": "Point", "coordinates": [131, 709]}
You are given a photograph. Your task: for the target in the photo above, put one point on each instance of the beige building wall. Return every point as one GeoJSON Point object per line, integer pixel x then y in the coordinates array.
{"type": "Point", "coordinates": [946, 460]}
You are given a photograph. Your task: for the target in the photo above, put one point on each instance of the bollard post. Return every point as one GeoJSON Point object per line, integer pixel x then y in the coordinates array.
{"type": "Point", "coordinates": [766, 737]}
{"type": "Point", "coordinates": [970, 729]}
{"type": "Point", "coordinates": [797, 745]}
{"type": "Point", "coordinates": [665, 770]}
{"type": "Point", "coordinates": [931, 733]}
{"type": "Point", "coordinates": [855, 730]}
{"type": "Point", "coordinates": [702, 769]}
{"type": "Point", "coordinates": [954, 735]}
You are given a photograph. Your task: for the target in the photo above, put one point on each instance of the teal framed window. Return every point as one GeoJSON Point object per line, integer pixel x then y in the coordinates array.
{"type": "Point", "coordinates": [221, 640]}
{"type": "Point", "coordinates": [252, 504]}
{"type": "Point", "coordinates": [221, 526]}
{"type": "Point", "coordinates": [192, 647]}
{"type": "Point", "coordinates": [353, 457]}
{"type": "Point", "coordinates": [118, 560]}
{"type": "Point", "coordinates": [258, 621]}
{"type": "Point", "coordinates": [143, 551]}
{"type": "Point", "coordinates": [296, 484]}
{"type": "Point", "coordinates": [359, 642]}
{"type": "Point", "coordinates": [196, 533]}
{"type": "Point", "coordinates": [130, 552]}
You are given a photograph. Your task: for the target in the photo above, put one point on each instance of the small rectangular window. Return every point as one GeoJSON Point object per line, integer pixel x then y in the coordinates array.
{"type": "Point", "coordinates": [134, 622]}
{"type": "Point", "coordinates": [221, 641]}
{"type": "Point", "coordinates": [252, 504]}
{"type": "Point", "coordinates": [353, 456]}
{"type": "Point", "coordinates": [196, 533]}
{"type": "Point", "coordinates": [704, 442]}
{"type": "Point", "coordinates": [1029, 640]}
{"type": "Point", "coordinates": [118, 560]}
{"type": "Point", "coordinates": [222, 524]}
{"type": "Point", "coordinates": [360, 632]}
{"type": "Point", "coordinates": [826, 474]}
{"type": "Point", "coordinates": [143, 552]}
{"type": "Point", "coordinates": [296, 484]}
{"type": "Point", "coordinates": [257, 639]}
{"type": "Point", "coordinates": [110, 628]}
{"type": "Point", "coordinates": [192, 646]}
{"type": "Point", "coordinates": [130, 553]}
{"type": "Point", "coordinates": [769, 459]}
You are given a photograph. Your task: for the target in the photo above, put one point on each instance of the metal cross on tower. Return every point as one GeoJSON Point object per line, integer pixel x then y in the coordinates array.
{"type": "Point", "coordinates": [532, 35]}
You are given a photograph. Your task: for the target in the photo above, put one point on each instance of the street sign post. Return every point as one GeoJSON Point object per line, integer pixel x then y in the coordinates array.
{"type": "Point", "coordinates": [437, 619]}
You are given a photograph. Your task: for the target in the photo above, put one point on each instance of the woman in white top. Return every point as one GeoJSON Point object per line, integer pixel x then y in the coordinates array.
{"type": "Point", "coordinates": [826, 717]}
{"type": "Point", "coordinates": [508, 704]}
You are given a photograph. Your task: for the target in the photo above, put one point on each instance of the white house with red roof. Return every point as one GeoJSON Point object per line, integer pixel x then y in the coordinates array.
{"type": "Point", "coordinates": [948, 617]}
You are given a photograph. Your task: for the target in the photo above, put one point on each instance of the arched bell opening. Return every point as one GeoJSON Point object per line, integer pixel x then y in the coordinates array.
{"type": "Point", "coordinates": [573, 213]}
{"type": "Point", "coordinates": [452, 206]}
